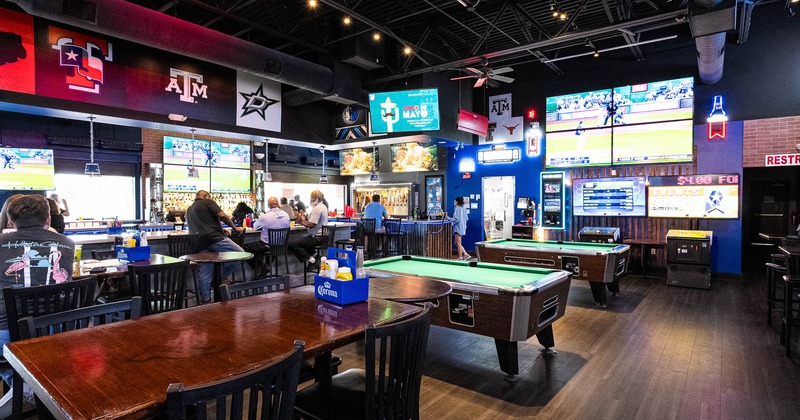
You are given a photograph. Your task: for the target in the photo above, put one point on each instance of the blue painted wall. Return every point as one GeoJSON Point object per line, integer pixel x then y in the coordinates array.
{"type": "Point", "coordinates": [723, 157]}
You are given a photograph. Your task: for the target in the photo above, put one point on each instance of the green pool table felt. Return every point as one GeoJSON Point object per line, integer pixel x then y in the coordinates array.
{"type": "Point", "coordinates": [578, 246]}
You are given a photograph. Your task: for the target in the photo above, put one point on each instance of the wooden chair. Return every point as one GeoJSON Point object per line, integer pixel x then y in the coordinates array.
{"type": "Point", "coordinates": [104, 254]}
{"type": "Point", "coordinates": [75, 319]}
{"type": "Point", "coordinates": [179, 245]}
{"type": "Point", "coordinates": [255, 287]}
{"type": "Point", "coordinates": [162, 287]}
{"type": "Point", "coordinates": [388, 386]}
{"type": "Point", "coordinates": [278, 245]}
{"type": "Point", "coordinates": [43, 300]}
{"type": "Point", "coordinates": [271, 392]}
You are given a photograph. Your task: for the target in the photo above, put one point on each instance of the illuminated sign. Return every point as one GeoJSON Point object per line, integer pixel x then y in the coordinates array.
{"type": "Point", "coordinates": [404, 111]}
{"type": "Point", "coordinates": [694, 196]}
{"type": "Point", "coordinates": [552, 200]}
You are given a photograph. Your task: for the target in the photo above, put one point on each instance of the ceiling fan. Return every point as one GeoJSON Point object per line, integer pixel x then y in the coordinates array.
{"type": "Point", "coordinates": [486, 75]}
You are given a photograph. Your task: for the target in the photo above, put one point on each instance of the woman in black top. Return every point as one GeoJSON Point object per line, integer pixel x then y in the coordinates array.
{"type": "Point", "coordinates": [240, 213]}
{"type": "Point", "coordinates": [56, 218]}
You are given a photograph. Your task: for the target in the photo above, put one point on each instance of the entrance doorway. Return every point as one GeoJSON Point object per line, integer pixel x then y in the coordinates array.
{"type": "Point", "coordinates": [498, 206]}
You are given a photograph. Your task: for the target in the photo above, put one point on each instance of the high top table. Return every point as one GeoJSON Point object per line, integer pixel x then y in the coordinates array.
{"type": "Point", "coordinates": [122, 370]}
{"type": "Point", "coordinates": [217, 258]}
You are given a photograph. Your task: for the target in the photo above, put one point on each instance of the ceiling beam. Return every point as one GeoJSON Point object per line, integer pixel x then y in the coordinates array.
{"type": "Point", "coordinates": [529, 37]}
{"type": "Point", "coordinates": [489, 28]}
{"type": "Point", "coordinates": [532, 20]}
{"type": "Point", "coordinates": [572, 17]}
{"type": "Point", "coordinates": [413, 54]}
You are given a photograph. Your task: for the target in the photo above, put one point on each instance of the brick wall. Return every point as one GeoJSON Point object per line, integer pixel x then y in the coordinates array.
{"type": "Point", "coordinates": [769, 136]}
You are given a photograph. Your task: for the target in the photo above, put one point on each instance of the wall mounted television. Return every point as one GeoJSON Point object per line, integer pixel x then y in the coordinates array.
{"type": "Point", "coordinates": [621, 196]}
{"type": "Point", "coordinates": [229, 180]}
{"type": "Point", "coordinates": [648, 123]}
{"type": "Point", "coordinates": [181, 151]}
{"type": "Point", "coordinates": [404, 111]}
{"type": "Point", "coordinates": [414, 157]}
{"type": "Point", "coordinates": [184, 178]}
{"type": "Point", "coordinates": [230, 155]}
{"type": "Point", "coordinates": [26, 169]}
{"type": "Point", "coordinates": [357, 161]}
{"type": "Point", "coordinates": [712, 196]}
{"type": "Point", "coordinates": [578, 148]}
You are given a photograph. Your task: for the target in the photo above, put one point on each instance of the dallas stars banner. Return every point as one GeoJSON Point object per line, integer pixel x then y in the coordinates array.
{"type": "Point", "coordinates": [258, 102]}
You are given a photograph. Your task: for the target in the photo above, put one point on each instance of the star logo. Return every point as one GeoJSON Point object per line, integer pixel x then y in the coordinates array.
{"type": "Point", "coordinates": [71, 55]}
{"type": "Point", "coordinates": [256, 102]}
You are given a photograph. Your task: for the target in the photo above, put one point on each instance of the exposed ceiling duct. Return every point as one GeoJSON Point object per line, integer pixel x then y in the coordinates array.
{"type": "Point", "coordinates": [130, 22]}
{"type": "Point", "coordinates": [709, 20]}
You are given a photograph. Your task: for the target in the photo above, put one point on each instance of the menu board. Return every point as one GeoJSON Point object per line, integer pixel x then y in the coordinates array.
{"type": "Point", "coordinates": [434, 192]}
{"type": "Point", "coordinates": [621, 196]}
{"type": "Point", "coordinates": [413, 157]}
{"type": "Point", "coordinates": [712, 196]}
{"type": "Point", "coordinates": [553, 200]}
{"type": "Point", "coordinates": [357, 162]}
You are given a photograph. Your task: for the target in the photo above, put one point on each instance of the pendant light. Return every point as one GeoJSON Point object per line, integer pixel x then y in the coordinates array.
{"type": "Point", "coordinates": [267, 175]}
{"type": "Point", "coordinates": [323, 179]}
{"type": "Point", "coordinates": [192, 171]}
{"type": "Point", "coordinates": [374, 172]}
{"type": "Point", "coordinates": [91, 168]}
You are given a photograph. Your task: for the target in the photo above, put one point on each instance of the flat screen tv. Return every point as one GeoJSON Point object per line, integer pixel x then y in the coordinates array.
{"type": "Point", "coordinates": [660, 142]}
{"type": "Point", "coordinates": [180, 151]}
{"type": "Point", "coordinates": [230, 155]}
{"type": "Point", "coordinates": [404, 111]}
{"type": "Point", "coordinates": [578, 147]}
{"type": "Point", "coordinates": [413, 157]}
{"type": "Point", "coordinates": [228, 180]}
{"type": "Point", "coordinates": [26, 169]}
{"type": "Point", "coordinates": [713, 196]}
{"type": "Point", "coordinates": [565, 112]}
{"type": "Point", "coordinates": [184, 178]}
{"type": "Point", "coordinates": [356, 161]}
{"type": "Point", "coordinates": [621, 196]}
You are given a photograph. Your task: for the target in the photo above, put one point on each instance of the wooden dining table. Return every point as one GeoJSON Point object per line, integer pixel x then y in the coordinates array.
{"type": "Point", "coordinates": [218, 259]}
{"type": "Point", "coordinates": [122, 370]}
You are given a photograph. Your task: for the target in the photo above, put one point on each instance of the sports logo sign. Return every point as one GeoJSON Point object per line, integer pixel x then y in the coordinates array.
{"type": "Point", "coordinates": [187, 84]}
{"type": "Point", "coordinates": [258, 102]}
{"type": "Point", "coordinates": [17, 60]}
{"type": "Point", "coordinates": [82, 57]}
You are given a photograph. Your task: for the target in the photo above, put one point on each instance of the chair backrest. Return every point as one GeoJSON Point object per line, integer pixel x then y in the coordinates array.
{"type": "Point", "coordinates": [182, 244]}
{"type": "Point", "coordinates": [255, 287]}
{"type": "Point", "coordinates": [271, 389]}
{"type": "Point", "coordinates": [369, 226]}
{"type": "Point", "coordinates": [162, 287]}
{"type": "Point", "coordinates": [394, 357]}
{"type": "Point", "coordinates": [43, 300]}
{"type": "Point", "coordinates": [392, 226]}
{"type": "Point", "coordinates": [104, 254]}
{"type": "Point", "coordinates": [278, 238]}
{"type": "Point", "coordinates": [791, 241]}
{"type": "Point", "coordinates": [328, 236]}
{"type": "Point", "coordinates": [75, 319]}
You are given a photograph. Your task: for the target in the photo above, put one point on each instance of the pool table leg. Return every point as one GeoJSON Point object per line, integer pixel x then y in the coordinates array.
{"type": "Point", "coordinates": [599, 293]}
{"type": "Point", "coordinates": [507, 354]}
{"type": "Point", "coordinates": [545, 337]}
{"type": "Point", "coordinates": [613, 287]}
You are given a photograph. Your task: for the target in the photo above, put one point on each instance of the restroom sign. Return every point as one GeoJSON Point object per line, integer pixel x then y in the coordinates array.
{"type": "Point", "coordinates": [787, 159]}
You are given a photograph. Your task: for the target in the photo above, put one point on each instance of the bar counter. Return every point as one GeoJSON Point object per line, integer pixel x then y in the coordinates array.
{"type": "Point", "coordinates": [429, 238]}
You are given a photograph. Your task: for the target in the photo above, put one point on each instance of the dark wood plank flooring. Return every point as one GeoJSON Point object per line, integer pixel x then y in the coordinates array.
{"type": "Point", "coordinates": [656, 352]}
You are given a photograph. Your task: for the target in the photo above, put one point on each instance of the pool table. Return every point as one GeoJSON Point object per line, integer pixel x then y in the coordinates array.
{"type": "Point", "coordinates": [597, 263]}
{"type": "Point", "coordinates": [506, 303]}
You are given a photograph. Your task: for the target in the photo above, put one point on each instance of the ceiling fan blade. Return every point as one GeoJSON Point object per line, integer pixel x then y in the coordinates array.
{"type": "Point", "coordinates": [479, 82]}
{"type": "Point", "coordinates": [474, 71]}
{"type": "Point", "coordinates": [502, 70]}
{"type": "Point", "coordinates": [503, 79]}
{"type": "Point", "coordinates": [463, 77]}
{"type": "Point", "coordinates": [492, 83]}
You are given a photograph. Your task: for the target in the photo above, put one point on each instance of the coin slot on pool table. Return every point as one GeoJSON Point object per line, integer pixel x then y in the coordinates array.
{"type": "Point", "coordinates": [538, 262]}
{"type": "Point", "coordinates": [621, 266]}
{"type": "Point", "coordinates": [461, 309]}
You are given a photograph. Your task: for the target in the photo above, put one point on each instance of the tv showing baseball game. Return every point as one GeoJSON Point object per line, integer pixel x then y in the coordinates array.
{"type": "Point", "coordinates": [180, 151]}
{"type": "Point", "coordinates": [578, 147]}
{"type": "Point", "coordinates": [649, 123]}
{"type": "Point", "coordinates": [229, 180]}
{"type": "Point", "coordinates": [186, 178]}
{"type": "Point", "coordinates": [621, 196]}
{"type": "Point", "coordinates": [26, 169]}
{"type": "Point", "coordinates": [230, 155]}
{"type": "Point", "coordinates": [404, 111]}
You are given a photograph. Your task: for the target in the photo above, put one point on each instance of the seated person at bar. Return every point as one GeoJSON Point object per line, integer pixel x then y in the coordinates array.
{"type": "Point", "coordinates": [240, 213]}
{"type": "Point", "coordinates": [376, 210]}
{"type": "Point", "coordinates": [204, 217]}
{"type": "Point", "coordinates": [32, 255]}
{"type": "Point", "coordinates": [285, 206]}
{"type": "Point", "coordinates": [56, 218]}
{"type": "Point", "coordinates": [274, 218]}
{"type": "Point", "coordinates": [303, 247]}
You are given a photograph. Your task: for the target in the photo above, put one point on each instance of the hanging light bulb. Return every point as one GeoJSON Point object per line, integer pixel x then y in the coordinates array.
{"type": "Point", "coordinates": [91, 168]}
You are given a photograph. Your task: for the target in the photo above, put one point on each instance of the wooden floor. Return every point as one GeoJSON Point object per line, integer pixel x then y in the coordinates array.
{"type": "Point", "coordinates": [656, 352]}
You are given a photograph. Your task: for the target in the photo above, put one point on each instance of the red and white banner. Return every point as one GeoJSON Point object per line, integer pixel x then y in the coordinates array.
{"type": "Point", "coordinates": [787, 159]}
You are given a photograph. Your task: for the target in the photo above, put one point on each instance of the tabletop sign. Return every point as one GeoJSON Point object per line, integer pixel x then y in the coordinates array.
{"type": "Point", "coordinates": [553, 200]}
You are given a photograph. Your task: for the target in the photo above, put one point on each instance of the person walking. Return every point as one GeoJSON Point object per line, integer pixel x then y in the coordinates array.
{"type": "Point", "coordinates": [459, 220]}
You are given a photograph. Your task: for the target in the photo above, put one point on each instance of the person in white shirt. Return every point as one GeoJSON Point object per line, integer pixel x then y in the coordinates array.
{"type": "Point", "coordinates": [303, 247]}
{"type": "Point", "coordinates": [274, 218]}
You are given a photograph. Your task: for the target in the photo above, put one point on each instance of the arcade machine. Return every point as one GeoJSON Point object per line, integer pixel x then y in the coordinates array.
{"type": "Point", "coordinates": [604, 235]}
{"type": "Point", "coordinates": [528, 223]}
{"type": "Point", "coordinates": [689, 258]}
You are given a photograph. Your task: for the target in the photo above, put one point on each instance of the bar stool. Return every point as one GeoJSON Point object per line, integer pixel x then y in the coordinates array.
{"type": "Point", "coordinates": [791, 302]}
{"type": "Point", "coordinates": [342, 243]}
{"type": "Point", "coordinates": [776, 269]}
{"type": "Point", "coordinates": [368, 225]}
{"type": "Point", "coordinates": [395, 240]}
{"type": "Point", "coordinates": [327, 239]}
{"type": "Point", "coordinates": [278, 245]}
